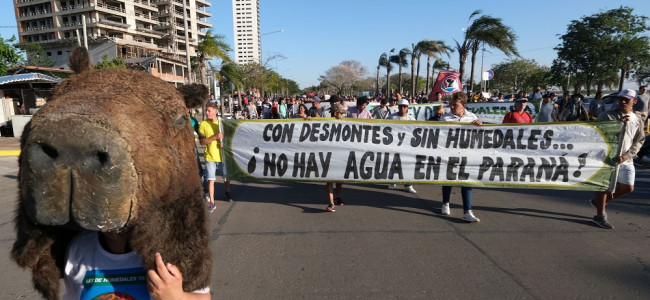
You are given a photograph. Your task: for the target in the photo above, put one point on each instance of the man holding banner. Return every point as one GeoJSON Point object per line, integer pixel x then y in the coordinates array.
{"type": "Point", "coordinates": [460, 114]}
{"type": "Point", "coordinates": [402, 114]}
{"type": "Point", "coordinates": [632, 141]}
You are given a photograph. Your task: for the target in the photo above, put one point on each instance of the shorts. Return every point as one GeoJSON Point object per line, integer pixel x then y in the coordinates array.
{"type": "Point", "coordinates": [212, 169]}
{"type": "Point", "coordinates": [626, 173]}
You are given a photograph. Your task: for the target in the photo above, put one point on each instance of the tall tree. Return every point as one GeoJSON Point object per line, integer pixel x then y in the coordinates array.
{"type": "Point", "coordinates": [9, 57]}
{"type": "Point", "coordinates": [485, 31]}
{"type": "Point", "coordinates": [432, 49]}
{"type": "Point", "coordinates": [401, 61]}
{"type": "Point", "coordinates": [519, 74]}
{"type": "Point", "coordinates": [384, 61]}
{"type": "Point", "coordinates": [416, 53]}
{"type": "Point", "coordinates": [340, 77]}
{"type": "Point", "coordinates": [212, 46]}
{"type": "Point", "coordinates": [596, 44]}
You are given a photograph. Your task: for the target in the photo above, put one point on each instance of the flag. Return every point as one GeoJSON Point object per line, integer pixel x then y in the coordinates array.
{"type": "Point", "coordinates": [448, 82]}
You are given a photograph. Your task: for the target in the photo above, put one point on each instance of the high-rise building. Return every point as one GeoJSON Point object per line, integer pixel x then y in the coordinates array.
{"type": "Point", "coordinates": [148, 33]}
{"type": "Point", "coordinates": [246, 27]}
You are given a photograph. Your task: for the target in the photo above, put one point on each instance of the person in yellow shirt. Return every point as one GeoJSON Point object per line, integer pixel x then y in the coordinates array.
{"type": "Point", "coordinates": [211, 138]}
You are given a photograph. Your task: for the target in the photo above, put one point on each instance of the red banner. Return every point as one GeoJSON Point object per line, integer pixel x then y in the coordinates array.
{"type": "Point", "coordinates": [448, 82]}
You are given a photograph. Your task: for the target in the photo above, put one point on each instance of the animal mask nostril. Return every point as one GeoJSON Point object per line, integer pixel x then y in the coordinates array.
{"type": "Point", "coordinates": [102, 157]}
{"type": "Point", "coordinates": [49, 151]}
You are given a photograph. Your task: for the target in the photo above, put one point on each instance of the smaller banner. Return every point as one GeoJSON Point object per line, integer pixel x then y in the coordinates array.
{"type": "Point", "coordinates": [448, 82]}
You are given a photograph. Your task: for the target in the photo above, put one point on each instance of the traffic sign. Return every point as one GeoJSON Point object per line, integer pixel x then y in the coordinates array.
{"type": "Point", "coordinates": [488, 75]}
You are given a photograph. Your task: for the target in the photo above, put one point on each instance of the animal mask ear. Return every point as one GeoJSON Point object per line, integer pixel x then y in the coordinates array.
{"type": "Point", "coordinates": [195, 95]}
{"type": "Point", "coordinates": [80, 60]}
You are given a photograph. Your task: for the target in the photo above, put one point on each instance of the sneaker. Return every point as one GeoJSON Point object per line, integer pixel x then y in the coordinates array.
{"type": "Point", "coordinates": [391, 186]}
{"type": "Point", "coordinates": [212, 207]}
{"type": "Point", "coordinates": [330, 208]}
{"type": "Point", "coordinates": [601, 220]}
{"type": "Point", "coordinates": [445, 209]}
{"type": "Point", "coordinates": [469, 217]}
{"type": "Point", "coordinates": [228, 197]}
{"type": "Point", "coordinates": [338, 201]}
{"type": "Point", "coordinates": [410, 189]}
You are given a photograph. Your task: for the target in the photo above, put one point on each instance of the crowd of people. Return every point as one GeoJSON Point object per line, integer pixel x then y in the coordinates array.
{"type": "Point", "coordinates": [631, 109]}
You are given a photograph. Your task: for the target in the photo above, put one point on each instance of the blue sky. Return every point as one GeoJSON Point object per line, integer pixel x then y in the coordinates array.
{"type": "Point", "coordinates": [320, 34]}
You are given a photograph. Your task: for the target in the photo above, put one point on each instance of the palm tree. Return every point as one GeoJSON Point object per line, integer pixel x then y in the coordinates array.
{"type": "Point", "coordinates": [210, 47]}
{"type": "Point", "coordinates": [437, 65]}
{"type": "Point", "coordinates": [432, 49]}
{"type": "Point", "coordinates": [230, 72]}
{"type": "Point", "coordinates": [384, 61]}
{"type": "Point", "coordinates": [484, 30]}
{"type": "Point", "coordinates": [416, 52]}
{"type": "Point", "coordinates": [400, 60]}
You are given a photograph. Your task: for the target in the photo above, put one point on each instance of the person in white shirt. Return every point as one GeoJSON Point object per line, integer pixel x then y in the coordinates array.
{"type": "Point", "coordinates": [459, 113]}
{"type": "Point", "coordinates": [402, 114]}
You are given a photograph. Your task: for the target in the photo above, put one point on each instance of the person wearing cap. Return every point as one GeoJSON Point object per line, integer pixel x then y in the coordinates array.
{"type": "Point", "coordinates": [547, 111]}
{"type": "Point", "coordinates": [459, 113]}
{"type": "Point", "coordinates": [334, 195]}
{"type": "Point", "coordinates": [360, 111]}
{"type": "Point", "coordinates": [316, 110]}
{"type": "Point", "coordinates": [392, 105]}
{"type": "Point", "coordinates": [381, 111]}
{"type": "Point", "coordinates": [519, 115]}
{"type": "Point", "coordinates": [633, 139]}
{"type": "Point", "coordinates": [402, 114]}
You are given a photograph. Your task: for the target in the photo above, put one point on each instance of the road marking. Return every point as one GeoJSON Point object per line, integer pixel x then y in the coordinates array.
{"type": "Point", "coordinates": [9, 152]}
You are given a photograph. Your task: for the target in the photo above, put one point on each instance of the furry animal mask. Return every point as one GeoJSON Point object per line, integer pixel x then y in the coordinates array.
{"type": "Point", "coordinates": [112, 150]}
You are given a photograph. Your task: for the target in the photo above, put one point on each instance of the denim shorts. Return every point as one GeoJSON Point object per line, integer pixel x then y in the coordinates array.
{"type": "Point", "coordinates": [213, 169]}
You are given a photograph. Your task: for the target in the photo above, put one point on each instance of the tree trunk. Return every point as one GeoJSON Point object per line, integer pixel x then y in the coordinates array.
{"type": "Point", "coordinates": [387, 82]}
{"type": "Point", "coordinates": [417, 76]}
{"type": "Point", "coordinates": [412, 76]}
{"type": "Point", "coordinates": [621, 80]}
{"type": "Point", "coordinates": [462, 58]}
{"type": "Point", "coordinates": [426, 89]}
{"type": "Point", "coordinates": [471, 74]}
{"type": "Point", "coordinates": [400, 79]}
{"type": "Point", "coordinates": [377, 86]}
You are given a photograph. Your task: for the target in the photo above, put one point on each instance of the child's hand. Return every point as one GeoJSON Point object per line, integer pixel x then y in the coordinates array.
{"type": "Point", "coordinates": [165, 281]}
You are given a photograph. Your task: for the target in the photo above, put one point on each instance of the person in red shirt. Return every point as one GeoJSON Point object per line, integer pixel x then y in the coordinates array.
{"type": "Point", "coordinates": [519, 115]}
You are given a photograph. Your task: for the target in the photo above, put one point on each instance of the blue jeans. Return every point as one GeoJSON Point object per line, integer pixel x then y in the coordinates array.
{"type": "Point", "coordinates": [466, 193]}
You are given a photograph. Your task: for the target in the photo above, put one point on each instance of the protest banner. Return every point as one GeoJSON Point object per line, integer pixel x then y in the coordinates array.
{"type": "Point", "coordinates": [572, 156]}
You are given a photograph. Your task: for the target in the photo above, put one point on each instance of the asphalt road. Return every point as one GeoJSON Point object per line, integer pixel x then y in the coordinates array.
{"type": "Point", "coordinates": [277, 242]}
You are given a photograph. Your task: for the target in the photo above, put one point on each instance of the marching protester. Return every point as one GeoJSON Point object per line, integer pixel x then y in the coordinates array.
{"type": "Point", "coordinates": [596, 106]}
{"type": "Point", "coordinates": [402, 114]}
{"type": "Point", "coordinates": [536, 95]}
{"type": "Point", "coordinates": [316, 110]}
{"type": "Point", "coordinates": [437, 115]}
{"type": "Point", "coordinates": [338, 111]}
{"type": "Point", "coordinates": [302, 112]}
{"type": "Point", "coordinates": [642, 102]}
{"type": "Point", "coordinates": [519, 115]}
{"type": "Point", "coordinates": [547, 111]}
{"type": "Point", "coordinates": [381, 111]}
{"type": "Point", "coordinates": [392, 105]}
{"type": "Point", "coordinates": [632, 141]}
{"type": "Point", "coordinates": [211, 138]}
{"type": "Point", "coordinates": [459, 114]}
{"type": "Point", "coordinates": [574, 110]}
{"type": "Point", "coordinates": [360, 111]}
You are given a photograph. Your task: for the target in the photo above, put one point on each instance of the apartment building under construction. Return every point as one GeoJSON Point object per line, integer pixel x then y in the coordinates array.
{"type": "Point", "coordinates": [148, 33]}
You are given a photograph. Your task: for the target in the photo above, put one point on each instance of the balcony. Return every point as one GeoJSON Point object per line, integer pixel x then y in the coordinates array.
{"type": "Point", "coordinates": [105, 7]}
{"type": "Point", "coordinates": [22, 3]}
{"type": "Point", "coordinates": [38, 29]}
{"type": "Point", "coordinates": [203, 13]}
{"type": "Point", "coordinates": [38, 13]}
{"type": "Point", "coordinates": [113, 23]}
{"type": "Point", "coordinates": [146, 4]}
{"type": "Point", "coordinates": [204, 2]}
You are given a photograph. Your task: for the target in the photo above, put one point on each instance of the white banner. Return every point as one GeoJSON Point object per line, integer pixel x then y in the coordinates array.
{"type": "Point", "coordinates": [563, 155]}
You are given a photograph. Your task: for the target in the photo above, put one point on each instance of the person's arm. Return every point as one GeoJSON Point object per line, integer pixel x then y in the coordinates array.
{"type": "Point", "coordinates": [506, 118]}
{"type": "Point", "coordinates": [204, 140]}
{"type": "Point", "coordinates": [166, 282]}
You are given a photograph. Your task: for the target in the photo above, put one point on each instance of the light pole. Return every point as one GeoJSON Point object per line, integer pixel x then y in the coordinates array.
{"type": "Point", "coordinates": [263, 34]}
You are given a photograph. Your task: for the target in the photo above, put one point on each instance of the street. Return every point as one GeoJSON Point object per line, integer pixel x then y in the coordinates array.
{"type": "Point", "coordinates": [275, 241]}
